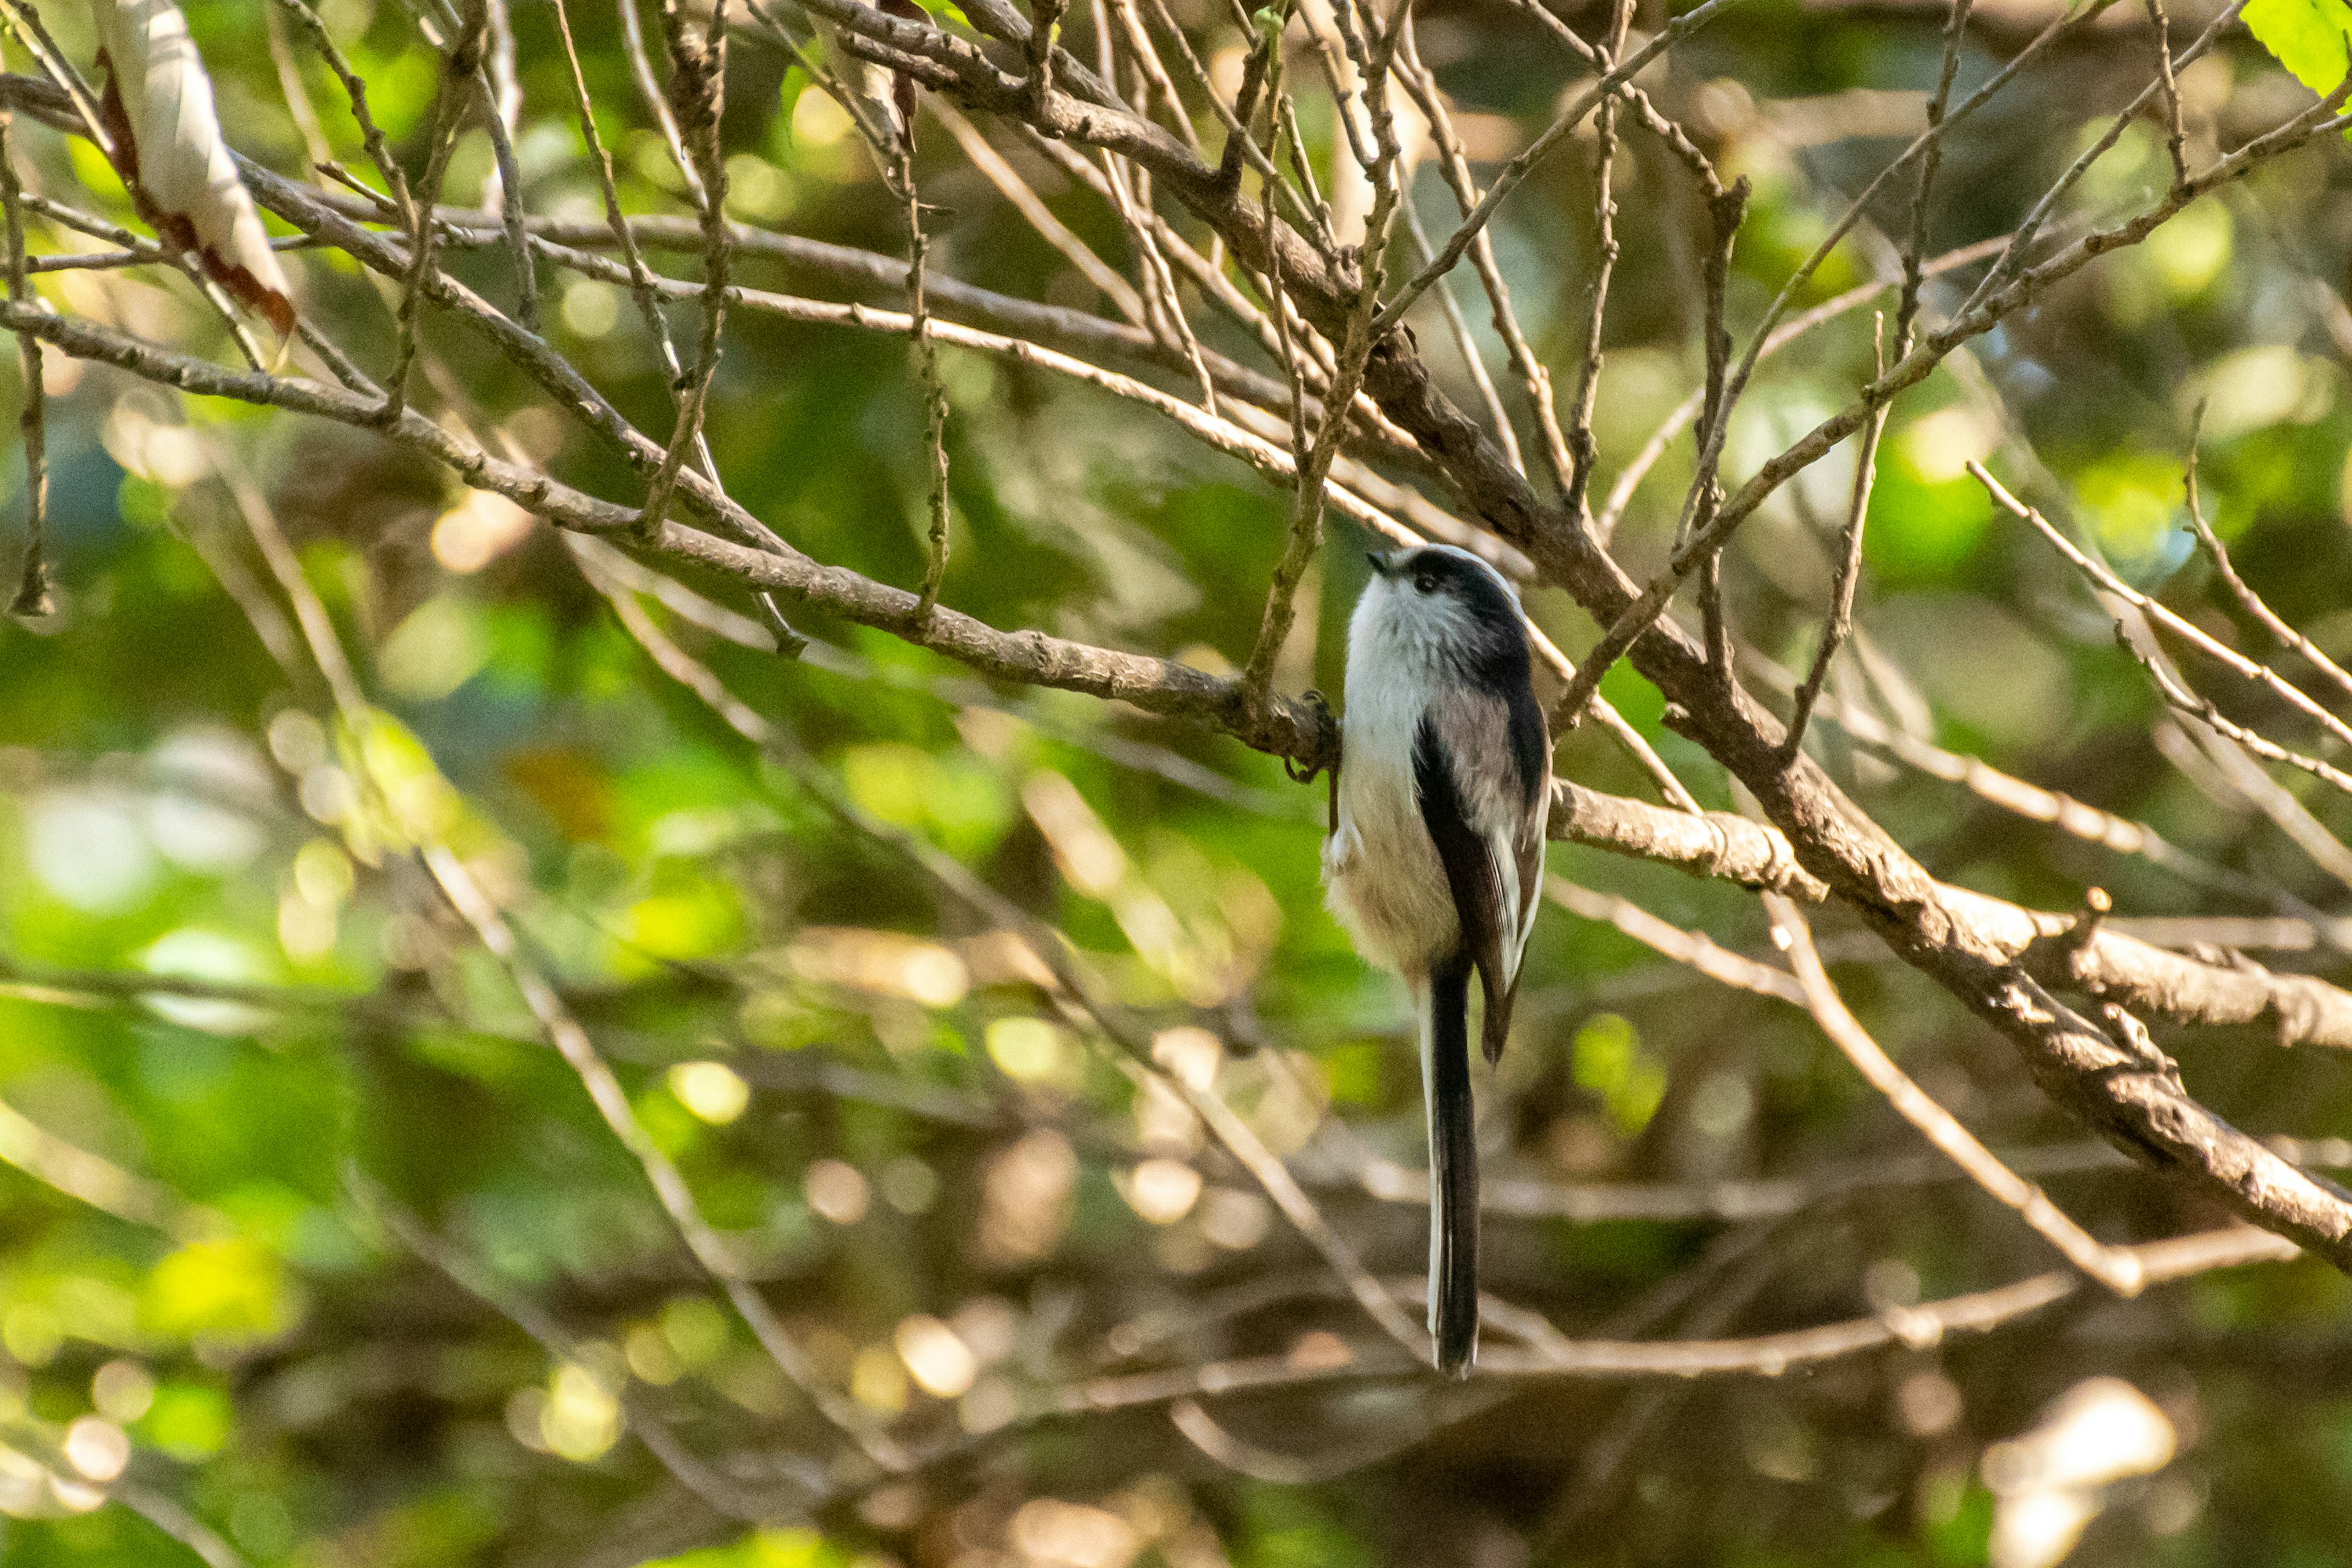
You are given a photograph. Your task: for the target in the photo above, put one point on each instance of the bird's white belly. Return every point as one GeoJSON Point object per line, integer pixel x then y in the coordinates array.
{"type": "Point", "coordinates": [1387, 885]}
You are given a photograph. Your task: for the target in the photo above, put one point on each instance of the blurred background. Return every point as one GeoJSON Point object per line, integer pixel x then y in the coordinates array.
{"type": "Point", "coordinates": [314, 1251]}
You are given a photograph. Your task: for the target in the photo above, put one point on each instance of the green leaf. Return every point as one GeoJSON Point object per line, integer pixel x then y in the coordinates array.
{"type": "Point", "coordinates": [2307, 36]}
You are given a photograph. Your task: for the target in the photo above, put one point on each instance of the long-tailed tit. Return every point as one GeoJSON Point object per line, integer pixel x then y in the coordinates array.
{"type": "Point", "coordinates": [1436, 864]}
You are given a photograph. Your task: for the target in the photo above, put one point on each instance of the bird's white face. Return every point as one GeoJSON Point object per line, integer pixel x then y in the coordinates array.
{"type": "Point", "coordinates": [1416, 608]}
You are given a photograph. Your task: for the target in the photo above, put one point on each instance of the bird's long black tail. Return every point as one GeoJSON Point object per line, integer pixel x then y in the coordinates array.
{"type": "Point", "coordinates": [1452, 1170]}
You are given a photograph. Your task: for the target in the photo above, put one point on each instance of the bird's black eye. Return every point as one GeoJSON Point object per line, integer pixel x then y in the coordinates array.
{"type": "Point", "coordinates": [1426, 583]}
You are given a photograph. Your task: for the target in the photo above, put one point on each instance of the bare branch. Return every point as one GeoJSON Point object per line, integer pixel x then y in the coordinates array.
{"type": "Point", "coordinates": [2237, 663]}
{"type": "Point", "coordinates": [2117, 1269]}
{"type": "Point", "coordinates": [2030, 801]}
{"type": "Point", "coordinates": [475, 1278]}
{"type": "Point", "coordinates": [1077, 987]}
{"type": "Point", "coordinates": [2175, 137]}
{"type": "Point", "coordinates": [698, 83]}
{"type": "Point", "coordinates": [454, 86]}
{"type": "Point", "coordinates": [1840, 624]}
{"type": "Point", "coordinates": [1694, 949]}
{"type": "Point", "coordinates": [1518, 167]}
{"type": "Point", "coordinates": [1026, 202]}
{"type": "Point", "coordinates": [2253, 604]}
{"type": "Point", "coordinates": [1580, 443]}
{"type": "Point", "coordinates": [1765, 1355]}
{"type": "Point", "coordinates": [32, 596]}
{"type": "Point", "coordinates": [1646, 109]}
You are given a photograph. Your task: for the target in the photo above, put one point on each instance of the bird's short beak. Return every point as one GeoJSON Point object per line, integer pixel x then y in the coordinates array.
{"type": "Point", "coordinates": [1384, 561]}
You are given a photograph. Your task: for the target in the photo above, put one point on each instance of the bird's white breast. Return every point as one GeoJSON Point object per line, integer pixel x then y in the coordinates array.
{"type": "Point", "coordinates": [1387, 885]}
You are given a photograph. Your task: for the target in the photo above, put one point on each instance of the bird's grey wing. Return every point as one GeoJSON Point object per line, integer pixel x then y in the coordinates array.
{"type": "Point", "coordinates": [1519, 842]}
{"type": "Point", "coordinates": [1530, 741]}
{"type": "Point", "coordinates": [1482, 765]}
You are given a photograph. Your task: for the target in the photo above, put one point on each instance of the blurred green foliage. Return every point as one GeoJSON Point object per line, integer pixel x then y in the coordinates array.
{"type": "Point", "coordinates": [869, 1093]}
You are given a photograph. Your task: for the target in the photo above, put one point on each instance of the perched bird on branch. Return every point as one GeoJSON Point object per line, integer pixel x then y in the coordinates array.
{"type": "Point", "coordinates": [1436, 862]}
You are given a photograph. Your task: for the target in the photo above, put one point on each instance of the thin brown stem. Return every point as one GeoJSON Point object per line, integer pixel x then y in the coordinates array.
{"type": "Point", "coordinates": [935, 397]}
{"type": "Point", "coordinates": [1581, 449]}
{"type": "Point", "coordinates": [355, 91]}
{"type": "Point", "coordinates": [1839, 624]}
{"type": "Point", "coordinates": [698, 85]}
{"type": "Point", "coordinates": [1045, 33]}
{"type": "Point", "coordinates": [2252, 603]}
{"type": "Point", "coordinates": [2116, 1267]}
{"type": "Point", "coordinates": [2176, 138]}
{"type": "Point", "coordinates": [1518, 168]}
{"type": "Point", "coordinates": [455, 84]}
{"type": "Point", "coordinates": [33, 596]}
{"type": "Point", "coordinates": [2107, 581]}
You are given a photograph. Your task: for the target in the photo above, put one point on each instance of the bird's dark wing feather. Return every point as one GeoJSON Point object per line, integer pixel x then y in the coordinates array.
{"type": "Point", "coordinates": [1488, 927]}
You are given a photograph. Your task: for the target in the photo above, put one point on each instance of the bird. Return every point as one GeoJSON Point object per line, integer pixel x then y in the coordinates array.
{"type": "Point", "coordinates": [1434, 862]}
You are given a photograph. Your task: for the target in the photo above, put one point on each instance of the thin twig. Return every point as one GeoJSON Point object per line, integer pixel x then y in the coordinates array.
{"type": "Point", "coordinates": [1646, 109]}
{"type": "Point", "coordinates": [1726, 212]}
{"type": "Point", "coordinates": [1620, 491]}
{"type": "Point", "coordinates": [926, 366]}
{"type": "Point", "coordinates": [1973, 322]}
{"type": "Point", "coordinates": [295, 92]}
{"type": "Point", "coordinates": [1517, 169]}
{"type": "Point", "coordinates": [1694, 949]}
{"type": "Point", "coordinates": [710, 1250]}
{"type": "Point", "coordinates": [641, 287]}
{"type": "Point", "coordinates": [2196, 705]}
{"type": "Point", "coordinates": [1075, 985]}
{"type": "Point", "coordinates": [2032, 802]}
{"type": "Point", "coordinates": [2107, 582]}
{"type": "Point", "coordinates": [1137, 40]}
{"type": "Point", "coordinates": [2244, 780]}
{"type": "Point", "coordinates": [1725, 215]}
{"type": "Point", "coordinates": [93, 1179]}
{"type": "Point", "coordinates": [2176, 138]}
{"type": "Point", "coordinates": [371, 137]}
{"type": "Point", "coordinates": [2117, 1269]}
{"type": "Point", "coordinates": [1453, 166]}
{"type": "Point", "coordinates": [2253, 603]}
{"type": "Point", "coordinates": [480, 912]}
{"type": "Point", "coordinates": [24, 24]}
{"type": "Point", "coordinates": [1921, 145]}
{"type": "Point", "coordinates": [1031, 206]}
{"type": "Point", "coordinates": [455, 84]}
{"type": "Point", "coordinates": [1239, 143]}
{"type": "Point", "coordinates": [501, 96]}
{"type": "Point", "coordinates": [171, 1518]}
{"type": "Point", "coordinates": [1167, 319]}
{"type": "Point", "coordinates": [33, 596]}
{"type": "Point", "coordinates": [1839, 624]}
{"type": "Point", "coordinates": [641, 69]}
{"type": "Point", "coordinates": [1581, 449]}
{"type": "Point", "coordinates": [1772, 1355]}
{"type": "Point", "coordinates": [480, 1281]}
{"type": "Point", "coordinates": [1465, 345]}
{"type": "Point", "coordinates": [1769, 333]}
{"type": "Point", "coordinates": [699, 82]}
{"type": "Point", "coordinates": [2002, 272]}
{"type": "Point", "coordinates": [1355, 348]}
{"type": "Point", "coordinates": [624, 233]}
